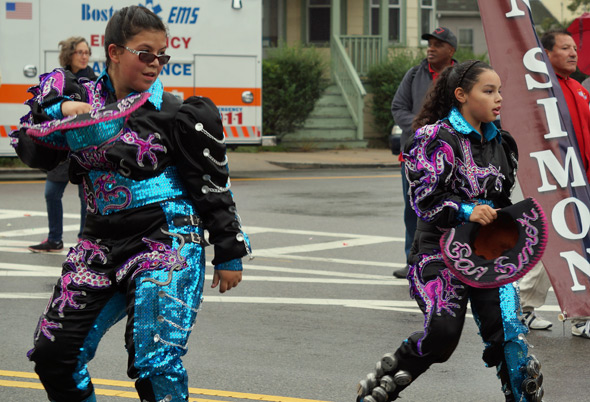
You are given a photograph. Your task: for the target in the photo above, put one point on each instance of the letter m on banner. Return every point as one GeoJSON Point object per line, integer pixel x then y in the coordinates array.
{"type": "Point", "coordinates": [550, 167]}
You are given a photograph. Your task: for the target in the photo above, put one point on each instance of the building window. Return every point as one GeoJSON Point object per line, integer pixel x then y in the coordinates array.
{"type": "Point", "coordinates": [394, 16]}
{"type": "Point", "coordinates": [319, 21]}
{"type": "Point", "coordinates": [466, 39]}
{"type": "Point", "coordinates": [270, 23]}
{"type": "Point", "coordinates": [426, 16]}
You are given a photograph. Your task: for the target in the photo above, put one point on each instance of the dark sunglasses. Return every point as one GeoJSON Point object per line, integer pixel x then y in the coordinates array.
{"type": "Point", "coordinates": [148, 57]}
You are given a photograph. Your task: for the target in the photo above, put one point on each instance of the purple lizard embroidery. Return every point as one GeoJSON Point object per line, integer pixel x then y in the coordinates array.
{"type": "Point", "coordinates": [437, 293]}
{"type": "Point", "coordinates": [159, 256]}
{"type": "Point", "coordinates": [80, 275]}
{"type": "Point", "coordinates": [44, 328]}
{"type": "Point", "coordinates": [144, 147]}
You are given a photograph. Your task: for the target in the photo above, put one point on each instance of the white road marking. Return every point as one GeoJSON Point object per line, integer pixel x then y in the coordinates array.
{"type": "Point", "coordinates": [35, 231]}
{"type": "Point", "coordinates": [332, 260]}
{"type": "Point", "coordinates": [26, 270]}
{"type": "Point", "coordinates": [8, 244]}
{"type": "Point", "coordinates": [406, 306]}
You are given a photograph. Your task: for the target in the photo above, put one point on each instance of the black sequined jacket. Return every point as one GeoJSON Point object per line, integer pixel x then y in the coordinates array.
{"type": "Point", "coordinates": [447, 168]}
{"type": "Point", "coordinates": [163, 150]}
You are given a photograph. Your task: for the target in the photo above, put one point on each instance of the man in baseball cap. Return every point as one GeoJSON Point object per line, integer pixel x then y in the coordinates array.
{"type": "Point", "coordinates": [442, 34]}
{"type": "Point", "coordinates": [407, 102]}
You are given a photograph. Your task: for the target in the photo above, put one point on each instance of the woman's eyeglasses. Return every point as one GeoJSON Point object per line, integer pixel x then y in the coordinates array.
{"type": "Point", "coordinates": [82, 53]}
{"type": "Point", "coordinates": [148, 57]}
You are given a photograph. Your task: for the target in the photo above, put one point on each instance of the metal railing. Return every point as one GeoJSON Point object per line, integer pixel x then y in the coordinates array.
{"type": "Point", "coordinates": [347, 79]}
{"type": "Point", "coordinates": [363, 50]}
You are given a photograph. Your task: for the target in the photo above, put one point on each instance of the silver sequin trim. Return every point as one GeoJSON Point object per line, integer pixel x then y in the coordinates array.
{"type": "Point", "coordinates": [201, 129]}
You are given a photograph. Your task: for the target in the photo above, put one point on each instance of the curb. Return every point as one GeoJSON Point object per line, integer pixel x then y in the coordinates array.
{"type": "Point", "coordinates": [324, 165]}
{"type": "Point", "coordinates": [14, 174]}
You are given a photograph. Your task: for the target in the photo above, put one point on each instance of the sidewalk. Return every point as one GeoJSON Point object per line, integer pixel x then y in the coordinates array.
{"type": "Point", "coordinates": [270, 161]}
{"type": "Point", "coordinates": [327, 159]}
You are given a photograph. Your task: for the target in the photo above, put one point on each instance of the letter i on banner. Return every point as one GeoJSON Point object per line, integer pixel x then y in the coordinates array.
{"type": "Point", "coordinates": [534, 111]}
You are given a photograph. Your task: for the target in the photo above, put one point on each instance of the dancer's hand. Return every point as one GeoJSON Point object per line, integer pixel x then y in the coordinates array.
{"type": "Point", "coordinates": [483, 214]}
{"type": "Point", "coordinates": [226, 279]}
{"type": "Point", "coordinates": [72, 108]}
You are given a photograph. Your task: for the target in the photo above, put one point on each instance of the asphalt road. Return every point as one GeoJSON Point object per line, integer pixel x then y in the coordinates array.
{"type": "Point", "coordinates": [317, 306]}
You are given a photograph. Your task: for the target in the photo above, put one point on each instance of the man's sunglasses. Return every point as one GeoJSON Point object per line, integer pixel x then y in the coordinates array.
{"type": "Point", "coordinates": [148, 57]}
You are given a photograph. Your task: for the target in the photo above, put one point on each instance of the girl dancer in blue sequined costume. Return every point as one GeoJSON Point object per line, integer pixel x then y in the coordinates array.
{"type": "Point", "coordinates": [154, 181]}
{"type": "Point", "coordinates": [460, 168]}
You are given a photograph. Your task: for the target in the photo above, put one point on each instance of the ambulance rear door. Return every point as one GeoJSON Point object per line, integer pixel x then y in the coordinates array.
{"type": "Point", "coordinates": [226, 48]}
{"type": "Point", "coordinates": [231, 82]}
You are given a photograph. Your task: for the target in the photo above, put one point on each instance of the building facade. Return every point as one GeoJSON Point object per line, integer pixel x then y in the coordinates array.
{"type": "Point", "coordinates": [312, 21]}
{"type": "Point", "coordinates": [359, 33]}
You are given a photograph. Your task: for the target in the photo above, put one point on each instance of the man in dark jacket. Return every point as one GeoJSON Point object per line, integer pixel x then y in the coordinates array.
{"type": "Point", "coordinates": [407, 102]}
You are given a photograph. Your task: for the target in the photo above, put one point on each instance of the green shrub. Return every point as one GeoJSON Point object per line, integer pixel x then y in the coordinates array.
{"type": "Point", "coordinates": [384, 79]}
{"type": "Point", "coordinates": [292, 82]}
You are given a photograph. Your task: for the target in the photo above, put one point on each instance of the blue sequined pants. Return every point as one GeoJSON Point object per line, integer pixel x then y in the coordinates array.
{"type": "Point", "coordinates": [149, 270]}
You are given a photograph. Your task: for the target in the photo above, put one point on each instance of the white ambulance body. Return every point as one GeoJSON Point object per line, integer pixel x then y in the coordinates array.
{"type": "Point", "coordinates": [216, 49]}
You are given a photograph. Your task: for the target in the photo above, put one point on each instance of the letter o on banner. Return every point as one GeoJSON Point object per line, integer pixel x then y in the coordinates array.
{"type": "Point", "coordinates": [559, 222]}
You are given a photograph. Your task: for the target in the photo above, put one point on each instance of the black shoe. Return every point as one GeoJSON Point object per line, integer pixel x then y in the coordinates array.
{"type": "Point", "coordinates": [401, 273]}
{"type": "Point", "coordinates": [47, 247]}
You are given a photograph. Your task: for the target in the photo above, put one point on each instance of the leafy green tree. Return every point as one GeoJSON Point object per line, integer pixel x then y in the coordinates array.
{"type": "Point", "coordinates": [576, 4]}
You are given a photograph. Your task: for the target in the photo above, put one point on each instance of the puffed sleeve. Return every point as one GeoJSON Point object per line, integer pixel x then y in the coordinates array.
{"type": "Point", "coordinates": [45, 107]}
{"type": "Point", "coordinates": [430, 164]}
{"type": "Point", "coordinates": [202, 163]}
{"type": "Point", "coordinates": [54, 88]}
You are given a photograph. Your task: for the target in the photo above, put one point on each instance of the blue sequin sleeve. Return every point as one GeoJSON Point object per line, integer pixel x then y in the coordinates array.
{"type": "Point", "coordinates": [54, 110]}
{"type": "Point", "coordinates": [232, 265]}
{"type": "Point", "coordinates": [464, 212]}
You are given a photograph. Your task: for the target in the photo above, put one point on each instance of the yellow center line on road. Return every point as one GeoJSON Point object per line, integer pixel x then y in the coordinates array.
{"type": "Point", "coordinates": [133, 394]}
{"type": "Point", "coordinates": [22, 181]}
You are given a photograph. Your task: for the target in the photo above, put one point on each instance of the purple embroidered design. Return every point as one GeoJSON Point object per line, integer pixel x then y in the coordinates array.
{"type": "Point", "coordinates": [472, 173]}
{"type": "Point", "coordinates": [159, 256]}
{"type": "Point", "coordinates": [89, 88]}
{"type": "Point", "coordinates": [45, 327]}
{"type": "Point", "coordinates": [437, 294]}
{"type": "Point", "coordinates": [90, 197]}
{"type": "Point", "coordinates": [94, 158]}
{"type": "Point", "coordinates": [431, 167]}
{"type": "Point", "coordinates": [80, 274]}
{"type": "Point", "coordinates": [433, 163]}
{"type": "Point", "coordinates": [526, 254]}
{"type": "Point", "coordinates": [101, 115]}
{"type": "Point", "coordinates": [144, 147]}
{"type": "Point", "coordinates": [105, 190]}
{"type": "Point", "coordinates": [99, 96]}
{"type": "Point", "coordinates": [54, 81]}
{"type": "Point", "coordinates": [459, 254]}
{"type": "Point", "coordinates": [47, 127]}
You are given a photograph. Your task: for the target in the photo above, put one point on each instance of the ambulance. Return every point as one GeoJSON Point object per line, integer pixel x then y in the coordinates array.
{"type": "Point", "coordinates": [215, 48]}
